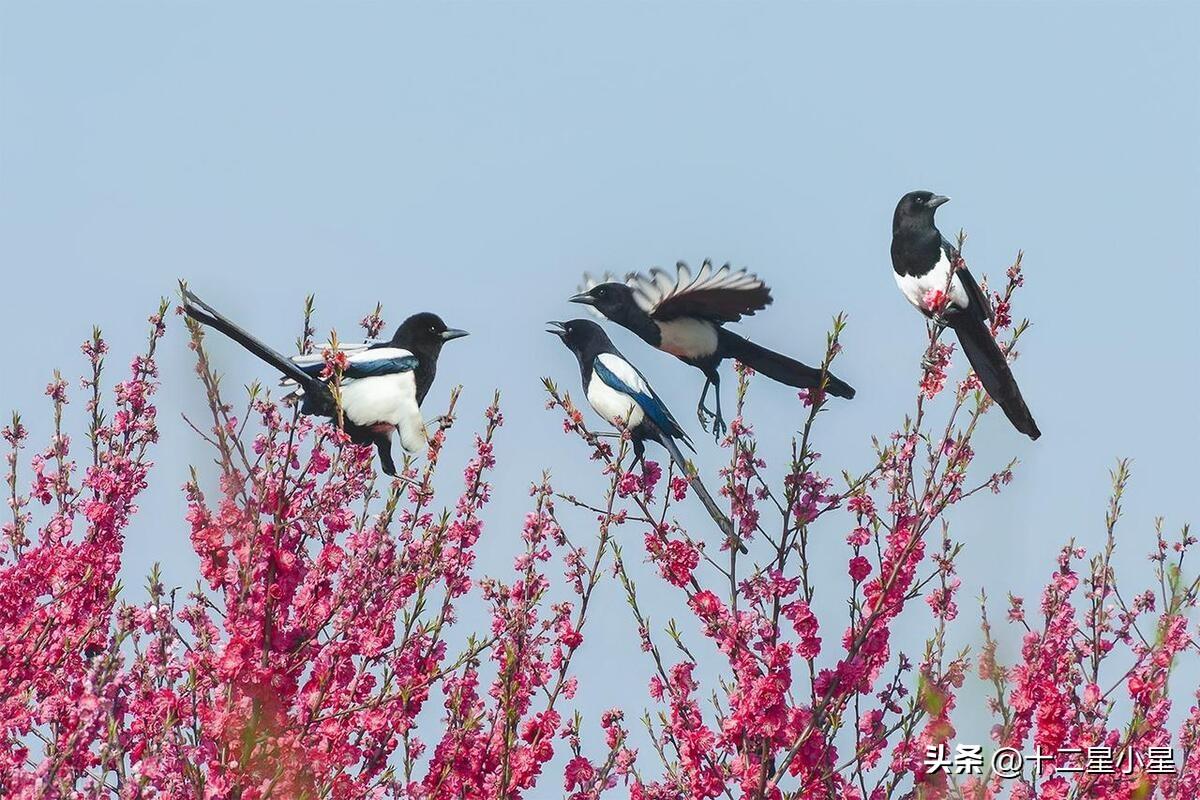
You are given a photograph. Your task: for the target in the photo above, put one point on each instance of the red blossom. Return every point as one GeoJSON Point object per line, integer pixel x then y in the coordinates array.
{"type": "Point", "coordinates": [324, 654]}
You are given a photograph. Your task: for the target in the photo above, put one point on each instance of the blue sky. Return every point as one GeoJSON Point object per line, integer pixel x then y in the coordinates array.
{"type": "Point", "coordinates": [474, 158]}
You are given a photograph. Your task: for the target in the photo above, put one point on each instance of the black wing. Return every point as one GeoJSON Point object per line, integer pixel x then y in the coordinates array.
{"type": "Point", "coordinates": [719, 295]}
{"type": "Point", "coordinates": [975, 294]}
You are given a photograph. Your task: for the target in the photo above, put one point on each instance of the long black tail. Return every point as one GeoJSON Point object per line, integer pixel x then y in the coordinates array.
{"type": "Point", "coordinates": [316, 393]}
{"type": "Point", "coordinates": [779, 367]}
{"type": "Point", "coordinates": [991, 366]}
{"type": "Point", "coordinates": [710, 505]}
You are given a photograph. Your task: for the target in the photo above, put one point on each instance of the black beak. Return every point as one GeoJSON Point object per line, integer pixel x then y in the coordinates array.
{"type": "Point", "coordinates": [453, 333]}
{"type": "Point", "coordinates": [937, 200]}
{"type": "Point", "coordinates": [583, 298]}
{"type": "Point", "coordinates": [561, 333]}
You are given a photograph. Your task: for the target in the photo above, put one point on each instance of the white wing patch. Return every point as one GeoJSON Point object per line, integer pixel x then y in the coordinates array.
{"type": "Point", "coordinates": [365, 355]}
{"type": "Point", "coordinates": [916, 287]}
{"type": "Point", "coordinates": [317, 356]}
{"type": "Point", "coordinates": [625, 371]}
{"type": "Point", "coordinates": [617, 407]}
{"type": "Point", "coordinates": [657, 288]}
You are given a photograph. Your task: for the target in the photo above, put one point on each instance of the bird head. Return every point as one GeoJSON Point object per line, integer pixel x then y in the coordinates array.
{"type": "Point", "coordinates": [579, 335]}
{"type": "Point", "coordinates": [425, 333]}
{"type": "Point", "coordinates": [917, 208]}
{"type": "Point", "coordinates": [612, 299]}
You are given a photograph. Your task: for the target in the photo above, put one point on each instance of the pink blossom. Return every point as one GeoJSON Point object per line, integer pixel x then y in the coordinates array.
{"type": "Point", "coordinates": [860, 568]}
{"type": "Point", "coordinates": [325, 653]}
{"type": "Point", "coordinates": [934, 301]}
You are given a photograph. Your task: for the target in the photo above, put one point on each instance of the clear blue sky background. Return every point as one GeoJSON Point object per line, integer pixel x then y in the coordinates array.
{"type": "Point", "coordinates": [474, 158]}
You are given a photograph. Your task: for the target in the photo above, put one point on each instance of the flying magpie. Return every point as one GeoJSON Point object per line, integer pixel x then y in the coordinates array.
{"type": "Point", "coordinates": [684, 316]}
{"type": "Point", "coordinates": [621, 395]}
{"type": "Point", "coordinates": [922, 260]}
{"type": "Point", "coordinates": [381, 388]}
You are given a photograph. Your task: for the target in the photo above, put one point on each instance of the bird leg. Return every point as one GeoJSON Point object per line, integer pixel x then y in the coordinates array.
{"type": "Point", "coordinates": [945, 318]}
{"type": "Point", "coordinates": [928, 362]}
{"type": "Point", "coordinates": [383, 443]}
{"type": "Point", "coordinates": [719, 426]}
{"type": "Point", "coordinates": [703, 413]}
{"type": "Point", "coordinates": [639, 455]}
{"type": "Point", "coordinates": [940, 323]}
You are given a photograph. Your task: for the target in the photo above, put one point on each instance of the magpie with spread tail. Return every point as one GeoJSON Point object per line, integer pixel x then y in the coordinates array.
{"type": "Point", "coordinates": [622, 396]}
{"type": "Point", "coordinates": [381, 388]}
{"type": "Point", "coordinates": [684, 315]}
{"type": "Point", "coordinates": [922, 261]}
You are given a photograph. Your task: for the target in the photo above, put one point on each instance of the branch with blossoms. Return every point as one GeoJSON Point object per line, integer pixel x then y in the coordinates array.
{"type": "Point", "coordinates": [326, 653]}
{"type": "Point", "coordinates": [325, 623]}
{"type": "Point", "coordinates": [792, 717]}
{"type": "Point", "coordinates": [59, 689]}
{"type": "Point", "coordinates": [1063, 695]}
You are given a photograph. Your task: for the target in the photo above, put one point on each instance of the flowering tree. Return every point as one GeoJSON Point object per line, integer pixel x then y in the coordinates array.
{"type": "Point", "coordinates": [322, 654]}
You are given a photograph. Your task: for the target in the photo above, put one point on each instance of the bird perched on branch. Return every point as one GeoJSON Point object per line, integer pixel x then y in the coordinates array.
{"type": "Point", "coordinates": [928, 267]}
{"type": "Point", "coordinates": [684, 315]}
{"type": "Point", "coordinates": [621, 395]}
{"type": "Point", "coordinates": [380, 389]}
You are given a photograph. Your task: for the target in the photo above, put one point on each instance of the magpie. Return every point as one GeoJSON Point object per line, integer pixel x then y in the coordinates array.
{"type": "Point", "coordinates": [381, 388]}
{"type": "Point", "coordinates": [684, 315]}
{"type": "Point", "coordinates": [922, 261]}
{"type": "Point", "coordinates": [621, 395]}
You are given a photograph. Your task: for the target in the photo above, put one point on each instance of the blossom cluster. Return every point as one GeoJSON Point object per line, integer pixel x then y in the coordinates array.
{"type": "Point", "coordinates": [801, 712]}
{"type": "Point", "coordinates": [333, 646]}
{"type": "Point", "coordinates": [325, 624]}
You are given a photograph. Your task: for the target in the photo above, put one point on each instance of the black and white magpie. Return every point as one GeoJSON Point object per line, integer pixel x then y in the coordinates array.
{"type": "Point", "coordinates": [381, 388]}
{"type": "Point", "coordinates": [684, 315]}
{"type": "Point", "coordinates": [621, 395]}
{"type": "Point", "coordinates": [922, 261]}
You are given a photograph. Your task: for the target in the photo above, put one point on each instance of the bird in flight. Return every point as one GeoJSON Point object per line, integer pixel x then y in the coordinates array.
{"type": "Point", "coordinates": [381, 388]}
{"type": "Point", "coordinates": [924, 264]}
{"type": "Point", "coordinates": [621, 395]}
{"type": "Point", "coordinates": [685, 314]}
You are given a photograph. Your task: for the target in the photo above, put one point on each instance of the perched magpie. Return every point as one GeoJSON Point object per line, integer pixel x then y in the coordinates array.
{"type": "Point", "coordinates": [683, 315]}
{"type": "Point", "coordinates": [922, 260]}
{"type": "Point", "coordinates": [620, 394]}
{"type": "Point", "coordinates": [381, 388]}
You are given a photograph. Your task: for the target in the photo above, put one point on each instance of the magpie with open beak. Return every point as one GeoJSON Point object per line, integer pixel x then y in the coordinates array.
{"type": "Point", "coordinates": [685, 314]}
{"type": "Point", "coordinates": [923, 262]}
{"type": "Point", "coordinates": [381, 388]}
{"type": "Point", "coordinates": [621, 395]}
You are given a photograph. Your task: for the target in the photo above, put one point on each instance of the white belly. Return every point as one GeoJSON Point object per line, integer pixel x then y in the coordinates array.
{"type": "Point", "coordinates": [388, 399]}
{"type": "Point", "coordinates": [915, 288]}
{"type": "Point", "coordinates": [617, 408]}
{"type": "Point", "coordinates": [688, 338]}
